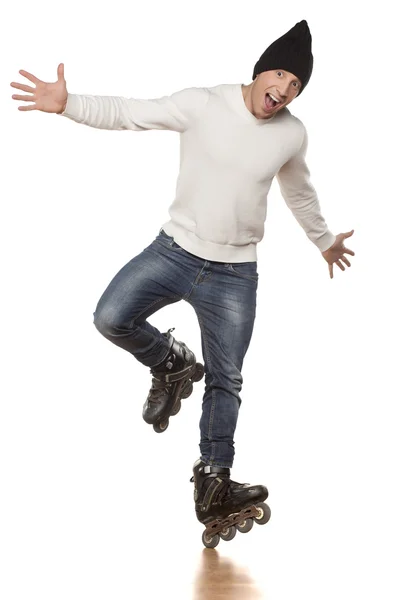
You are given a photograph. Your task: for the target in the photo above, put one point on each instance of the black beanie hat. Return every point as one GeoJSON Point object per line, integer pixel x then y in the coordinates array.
{"type": "Point", "coordinates": [291, 52]}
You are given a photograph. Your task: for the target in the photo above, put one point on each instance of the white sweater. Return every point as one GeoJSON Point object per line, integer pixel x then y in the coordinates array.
{"type": "Point", "coordinates": [228, 159]}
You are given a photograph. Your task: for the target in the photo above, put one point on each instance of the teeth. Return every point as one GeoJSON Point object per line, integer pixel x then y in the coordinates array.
{"type": "Point", "coordinates": [273, 98]}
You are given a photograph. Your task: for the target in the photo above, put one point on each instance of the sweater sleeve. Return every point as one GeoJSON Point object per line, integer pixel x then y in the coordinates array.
{"type": "Point", "coordinates": [174, 113]}
{"type": "Point", "coordinates": [301, 197]}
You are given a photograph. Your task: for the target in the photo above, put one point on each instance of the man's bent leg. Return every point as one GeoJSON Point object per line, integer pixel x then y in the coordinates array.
{"type": "Point", "coordinates": [145, 284]}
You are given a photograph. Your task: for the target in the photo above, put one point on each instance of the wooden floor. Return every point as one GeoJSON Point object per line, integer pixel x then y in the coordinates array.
{"type": "Point", "coordinates": [221, 577]}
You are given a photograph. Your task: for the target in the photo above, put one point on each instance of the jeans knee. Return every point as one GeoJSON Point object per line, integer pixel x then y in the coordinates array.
{"type": "Point", "coordinates": [106, 322]}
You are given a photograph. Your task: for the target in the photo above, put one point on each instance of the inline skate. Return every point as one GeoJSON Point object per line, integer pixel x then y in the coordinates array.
{"type": "Point", "coordinates": [225, 506]}
{"type": "Point", "coordinates": [172, 381]}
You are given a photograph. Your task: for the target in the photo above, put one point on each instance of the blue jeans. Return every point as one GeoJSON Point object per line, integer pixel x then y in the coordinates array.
{"type": "Point", "coordinates": [223, 296]}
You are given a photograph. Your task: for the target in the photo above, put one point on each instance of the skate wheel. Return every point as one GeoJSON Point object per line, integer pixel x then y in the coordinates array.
{"type": "Point", "coordinates": [177, 407]}
{"type": "Point", "coordinates": [264, 512]}
{"type": "Point", "coordinates": [210, 541]}
{"type": "Point", "coordinates": [228, 534]}
{"type": "Point", "coordinates": [198, 374]}
{"type": "Point", "coordinates": [188, 390]}
{"type": "Point", "coordinates": [160, 427]}
{"type": "Point", "coordinates": [245, 526]}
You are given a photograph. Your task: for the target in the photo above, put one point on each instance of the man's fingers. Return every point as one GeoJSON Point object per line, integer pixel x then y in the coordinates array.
{"type": "Point", "coordinates": [24, 98]}
{"type": "Point", "coordinates": [21, 86]}
{"type": "Point", "coordinates": [30, 77]}
{"type": "Point", "coordinates": [345, 260]}
{"type": "Point", "coordinates": [348, 251]}
{"type": "Point", "coordinates": [60, 71]}
{"type": "Point", "coordinates": [331, 270]}
{"type": "Point", "coordinates": [30, 107]}
{"type": "Point", "coordinates": [349, 233]}
{"type": "Point", "coordinates": [339, 264]}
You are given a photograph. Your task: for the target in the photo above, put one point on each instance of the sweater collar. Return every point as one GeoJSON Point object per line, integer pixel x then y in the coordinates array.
{"type": "Point", "coordinates": [242, 109]}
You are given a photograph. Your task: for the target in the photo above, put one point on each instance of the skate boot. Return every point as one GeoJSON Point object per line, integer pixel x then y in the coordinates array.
{"type": "Point", "coordinates": [225, 506]}
{"type": "Point", "coordinates": [172, 380]}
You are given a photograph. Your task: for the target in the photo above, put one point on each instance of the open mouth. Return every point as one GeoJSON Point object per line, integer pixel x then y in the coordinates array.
{"type": "Point", "coordinates": [270, 104]}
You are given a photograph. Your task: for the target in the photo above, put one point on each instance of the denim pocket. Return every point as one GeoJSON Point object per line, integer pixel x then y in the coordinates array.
{"type": "Point", "coordinates": [247, 270]}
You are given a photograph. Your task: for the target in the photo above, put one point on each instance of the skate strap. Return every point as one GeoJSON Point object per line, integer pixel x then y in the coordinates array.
{"type": "Point", "coordinates": [213, 492]}
{"type": "Point", "coordinates": [209, 469]}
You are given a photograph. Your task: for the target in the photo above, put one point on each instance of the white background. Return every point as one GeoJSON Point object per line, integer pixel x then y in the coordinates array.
{"type": "Point", "coordinates": [85, 483]}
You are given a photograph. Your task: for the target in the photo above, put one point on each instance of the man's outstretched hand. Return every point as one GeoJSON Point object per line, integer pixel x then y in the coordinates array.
{"type": "Point", "coordinates": [47, 97]}
{"type": "Point", "coordinates": [335, 254]}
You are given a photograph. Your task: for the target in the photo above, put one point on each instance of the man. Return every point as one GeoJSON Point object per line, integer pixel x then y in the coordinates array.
{"type": "Point", "coordinates": [235, 139]}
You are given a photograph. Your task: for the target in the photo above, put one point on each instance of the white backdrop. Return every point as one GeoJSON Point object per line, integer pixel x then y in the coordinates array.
{"type": "Point", "coordinates": [318, 423]}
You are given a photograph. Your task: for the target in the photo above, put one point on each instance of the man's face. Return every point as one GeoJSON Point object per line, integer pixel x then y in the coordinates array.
{"type": "Point", "coordinates": [284, 86]}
